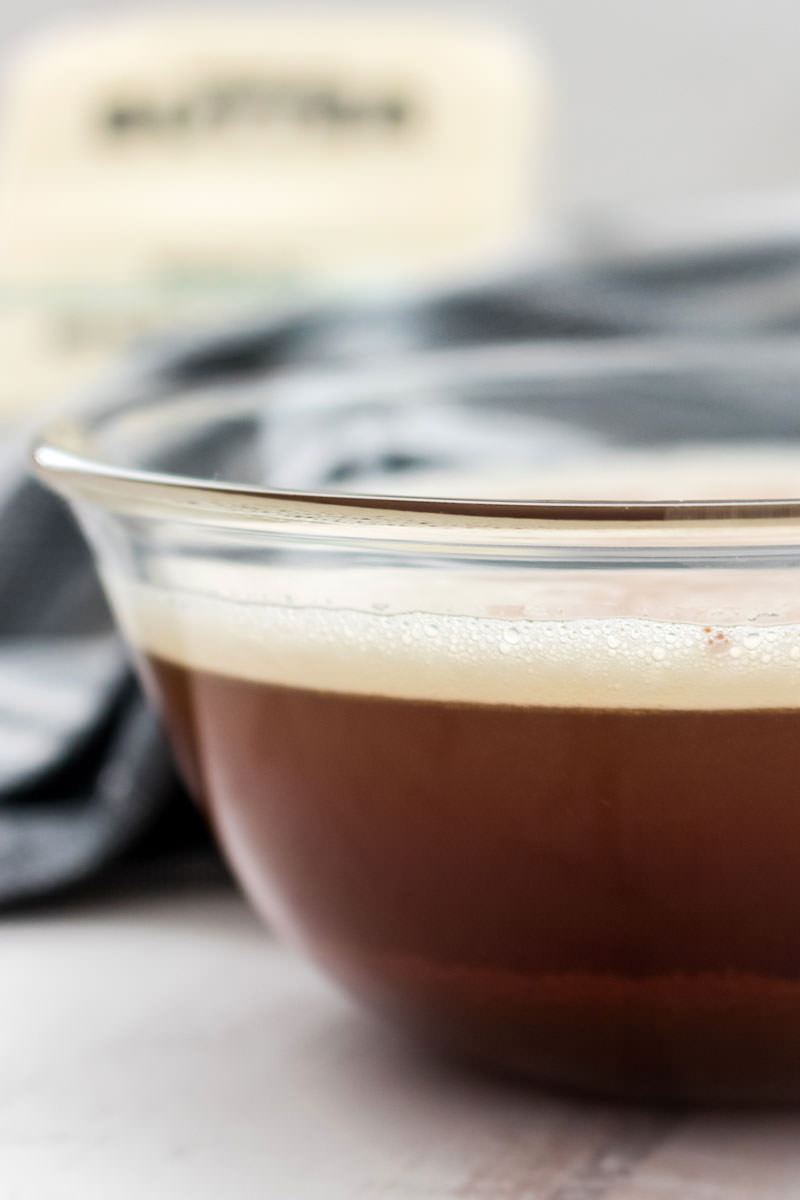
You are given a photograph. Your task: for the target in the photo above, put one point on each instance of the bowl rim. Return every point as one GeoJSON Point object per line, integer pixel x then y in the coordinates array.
{"type": "Point", "coordinates": [58, 455]}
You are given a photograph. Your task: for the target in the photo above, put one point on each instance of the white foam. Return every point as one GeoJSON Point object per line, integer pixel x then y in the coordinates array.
{"type": "Point", "coordinates": [687, 639]}
{"type": "Point", "coordinates": [462, 638]}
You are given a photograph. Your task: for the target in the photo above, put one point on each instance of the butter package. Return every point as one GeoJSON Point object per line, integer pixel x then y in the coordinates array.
{"type": "Point", "coordinates": [167, 167]}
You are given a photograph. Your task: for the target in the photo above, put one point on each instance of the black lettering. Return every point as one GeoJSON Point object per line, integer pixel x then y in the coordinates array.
{"type": "Point", "coordinates": [256, 103]}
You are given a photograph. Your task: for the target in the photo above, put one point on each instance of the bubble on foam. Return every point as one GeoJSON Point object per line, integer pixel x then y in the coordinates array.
{"type": "Point", "coordinates": [593, 662]}
{"type": "Point", "coordinates": [632, 638]}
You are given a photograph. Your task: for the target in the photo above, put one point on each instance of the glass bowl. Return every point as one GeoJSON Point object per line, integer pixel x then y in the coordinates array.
{"type": "Point", "coordinates": [485, 666]}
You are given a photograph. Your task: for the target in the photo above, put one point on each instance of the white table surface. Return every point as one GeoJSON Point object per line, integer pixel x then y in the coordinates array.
{"type": "Point", "coordinates": [168, 1048]}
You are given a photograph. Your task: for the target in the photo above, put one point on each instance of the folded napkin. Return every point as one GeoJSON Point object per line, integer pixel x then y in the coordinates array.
{"type": "Point", "coordinates": [87, 786]}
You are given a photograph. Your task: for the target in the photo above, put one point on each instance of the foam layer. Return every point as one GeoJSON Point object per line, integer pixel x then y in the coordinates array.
{"type": "Point", "coordinates": [687, 639]}
{"type": "Point", "coordinates": [556, 640]}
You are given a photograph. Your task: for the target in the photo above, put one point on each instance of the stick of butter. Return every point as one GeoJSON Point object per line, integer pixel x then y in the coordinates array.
{"type": "Point", "coordinates": [180, 157]}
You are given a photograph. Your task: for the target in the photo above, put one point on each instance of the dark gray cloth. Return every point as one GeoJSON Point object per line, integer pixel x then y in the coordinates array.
{"type": "Point", "coordinates": [85, 774]}
{"type": "Point", "coordinates": [86, 781]}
